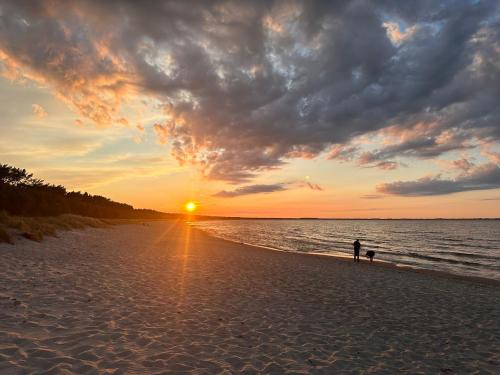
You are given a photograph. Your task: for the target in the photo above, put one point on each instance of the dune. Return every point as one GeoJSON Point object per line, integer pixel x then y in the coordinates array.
{"type": "Point", "coordinates": [164, 298]}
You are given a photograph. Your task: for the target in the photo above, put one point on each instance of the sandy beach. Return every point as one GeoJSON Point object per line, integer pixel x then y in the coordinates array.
{"type": "Point", "coordinates": [163, 297]}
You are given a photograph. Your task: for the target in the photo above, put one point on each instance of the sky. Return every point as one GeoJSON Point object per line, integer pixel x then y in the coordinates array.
{"type": "Point", "coordinates": [354, 109]}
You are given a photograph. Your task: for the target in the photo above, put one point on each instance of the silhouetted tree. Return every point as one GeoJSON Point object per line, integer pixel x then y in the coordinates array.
{"type": "Point", "coordinates": [22, 194]}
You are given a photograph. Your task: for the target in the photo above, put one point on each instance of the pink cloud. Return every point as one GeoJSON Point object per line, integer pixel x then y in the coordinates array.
{"type": "Point", "coordinates": [342, 153]}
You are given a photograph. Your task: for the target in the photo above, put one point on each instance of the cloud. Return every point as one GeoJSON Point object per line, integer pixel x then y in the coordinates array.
{"type": "Point", "coordinates": [83, 178]}
{"type": "Point", "coordinates": [39, 111]}
{"type": "Point", "coordinates": [372, 196]}
{"type": "Point", "coordinates": [108, 169]}
{"type": "Point", "coordinates": [250, 189]}
{"type": "Point", "coordinates": [134, 160]}
{"type": "Point", "coordinates": [54, 44]}
{"type": "Point", "coordinates": [314, 186]}
{"type": "Point", "coordinates": [486, 149]}
{"type": "Point", "coordinates": [374, 160]}
{"type": "Point", "coordinates": [494, 156]}
{"type": "Point", "coordinates": [395, 34]}
{"type": "Point", "coordinates": [56, 144]}
{"type": "Point", "coordinates": [244, 87]}
{"type": "Point", "coordinates": [342, 152]}
{"type": "Point", "coordinates": [79, 123]}
{"type": "Point", "coordinates": [463, 164]}
{"type": "Point", "coordinates": [482, 177]}
{"type": "Point", "coordinates": [424, 140]}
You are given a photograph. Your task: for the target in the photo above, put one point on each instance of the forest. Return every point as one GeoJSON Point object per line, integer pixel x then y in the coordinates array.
{"type": "Point", "coordinates": [21, 194]}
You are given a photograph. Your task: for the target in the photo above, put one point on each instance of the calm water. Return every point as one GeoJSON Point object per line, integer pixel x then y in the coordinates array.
{"type": "Point", "coordinates": [465, 247]}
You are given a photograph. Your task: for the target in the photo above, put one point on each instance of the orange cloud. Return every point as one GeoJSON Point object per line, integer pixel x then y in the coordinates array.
{"type": "Point", "coordinates": [396, 35]}
{"type": "Point", "coordinates": [39, 111]}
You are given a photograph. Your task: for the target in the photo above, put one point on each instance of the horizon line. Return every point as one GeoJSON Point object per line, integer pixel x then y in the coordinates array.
{"type": "Point", "coordinates": [326, 218]}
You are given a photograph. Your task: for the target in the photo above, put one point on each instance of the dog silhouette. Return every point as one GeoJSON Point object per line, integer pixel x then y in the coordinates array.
{"type": "Point", "coordinates": [370, 254]}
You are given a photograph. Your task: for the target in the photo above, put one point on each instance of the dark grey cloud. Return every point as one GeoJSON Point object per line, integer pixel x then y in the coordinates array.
{"type": "Point", "coordinates": [314, 186]}
{"type": "Point", "coordinates": [250, 189]}
{"type": "Point", "coordinates": [425, 142]}
{"type": "Point", "coordinates": [247, 85]}
{"type": "Point", "coordinates": [375, 160]}
{"type": "Point", "coordinates": [422, 141]}
{"type": "Point", "coordinates": [480, 178]}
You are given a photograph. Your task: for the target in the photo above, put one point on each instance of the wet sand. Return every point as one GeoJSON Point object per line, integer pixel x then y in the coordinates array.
{"type": "Point", "coordinates": [166, 298]}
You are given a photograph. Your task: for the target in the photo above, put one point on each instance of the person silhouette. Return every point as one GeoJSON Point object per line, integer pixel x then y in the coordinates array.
{"type": "Point", "coordinates": [357, 247]}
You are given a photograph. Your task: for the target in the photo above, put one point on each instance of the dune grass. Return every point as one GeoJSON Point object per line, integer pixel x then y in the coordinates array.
{"type": "Point", "coordinates": [4, 236]}
{"type": "Point", "coordinates": [36, 228]}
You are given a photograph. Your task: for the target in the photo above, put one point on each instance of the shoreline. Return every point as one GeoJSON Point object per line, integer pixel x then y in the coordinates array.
{"type": "Point", "coordinates": [377, 263]}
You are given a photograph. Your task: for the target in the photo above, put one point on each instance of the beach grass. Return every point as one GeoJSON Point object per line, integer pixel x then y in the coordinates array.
{"type": "Point", "coordinates": [4, 236]}
{"type": "Point", "coordinates": [36, 228]}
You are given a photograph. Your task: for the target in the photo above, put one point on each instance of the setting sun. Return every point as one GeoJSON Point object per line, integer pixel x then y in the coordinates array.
{"type": "Point", "coordinates": [190, 206]}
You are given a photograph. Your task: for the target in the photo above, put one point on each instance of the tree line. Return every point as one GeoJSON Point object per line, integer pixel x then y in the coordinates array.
{"type": "Point", "coordinates": [22, 194]}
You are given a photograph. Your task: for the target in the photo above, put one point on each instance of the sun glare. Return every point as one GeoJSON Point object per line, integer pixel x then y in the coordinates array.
{"type": "Point", "coordinates": [190, 206]}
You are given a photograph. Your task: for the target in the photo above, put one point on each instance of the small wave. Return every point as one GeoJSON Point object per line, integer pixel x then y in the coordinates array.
{"type": "Point", "coordinates": [456, 240]}
{"type": "Point", "coordinates": [469, 245]}
{"type": "Point", "coordinates": [468, 255]}
{"type": "Point", "coordinates": [446, 260]}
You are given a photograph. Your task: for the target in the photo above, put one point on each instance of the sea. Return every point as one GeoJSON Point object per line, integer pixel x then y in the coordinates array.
{"type": "Point", "coordinates": [463, 247]}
